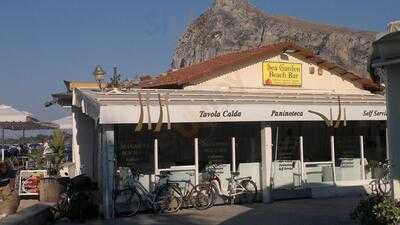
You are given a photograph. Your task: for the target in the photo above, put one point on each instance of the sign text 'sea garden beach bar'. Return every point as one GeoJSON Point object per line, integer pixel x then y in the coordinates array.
{"type": "Point", "coordinates": [299, 125]}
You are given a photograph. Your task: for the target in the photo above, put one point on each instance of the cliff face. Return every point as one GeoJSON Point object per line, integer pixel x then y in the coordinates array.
{"type": "Point", "coordinates": [234, 25]}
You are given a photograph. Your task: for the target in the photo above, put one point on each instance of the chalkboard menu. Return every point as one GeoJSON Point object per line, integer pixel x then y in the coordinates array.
{"type": "Point", "coordinates": [131, 154]}
{"type": "Point", "coordinates": [288, 148]}
{"type": "Point", "coordinates": [347, 147]}
{"type": "Point", "coordinates": [215, 151]}
{"type": "Point", "coordinates": [135, 150]}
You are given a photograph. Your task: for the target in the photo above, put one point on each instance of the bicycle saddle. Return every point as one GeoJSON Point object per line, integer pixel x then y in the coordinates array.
{"type": "Point", "coordinates": [244, 178]}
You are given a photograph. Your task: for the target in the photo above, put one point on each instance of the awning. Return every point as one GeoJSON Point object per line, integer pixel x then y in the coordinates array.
{"type": "Point", "coordinates": [143, 106]}
{"type": "Point", "coordinates": [13, 119]}
{"type": "Point", "coordinates": [64, 123]}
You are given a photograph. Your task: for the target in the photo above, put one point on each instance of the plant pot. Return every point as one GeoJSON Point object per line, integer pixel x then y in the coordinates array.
{"type": "Point", "coordinates": [49, 189]}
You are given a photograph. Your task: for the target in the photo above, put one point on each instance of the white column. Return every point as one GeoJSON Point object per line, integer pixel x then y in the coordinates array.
{"type": "Point", "coordinates": [196, 161]}
{"type": "Point", "coordinates": [387, 145]}
{"type": "Point", "coordinates": [156, 170]}
{"type": "Point", "coordinates": [362, 158]}
{"type": "Point", "coordinates": [2, 145]}
{"type": "Point", "coordinates": [266, 161]}
{"type": "Point", "coordinates": [233, 142]}
{"type": "Point", "coordinates": [393, 96]}
{"type": "Point", "coordinates": [301, 160]}
{"type": "Point", "coordinates": [76, 159]}
{"type": "Point", "coordinates": [333, 158]}
{"type": "Point", "coordinates": [108, 168]}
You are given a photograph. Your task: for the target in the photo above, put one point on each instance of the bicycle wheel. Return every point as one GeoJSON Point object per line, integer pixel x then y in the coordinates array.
{"type": "Point", "coordinates": [201, 197]}
{"type": "Point", "coordinates": [60, 209]}
{"type": "Point", "coordinates": [169, 199]}
{"type": "Point", "coordinates": [373, 185]}
{"type": "Point", "coordinates": [384, 186]}
{"type": "Point", "coordinates": [250, 193]}
{"type": "Point", "coordinates": [127, 203]}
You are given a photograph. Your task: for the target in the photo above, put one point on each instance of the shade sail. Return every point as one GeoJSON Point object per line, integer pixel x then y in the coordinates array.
{"type": "Point", "coordinates": [64, 123]}
{"type": "Point", "coordinates": [13, 119]}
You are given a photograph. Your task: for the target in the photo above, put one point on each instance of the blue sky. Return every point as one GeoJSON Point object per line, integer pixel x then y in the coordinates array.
{"type": "Point", "coordinates": [43, 42]}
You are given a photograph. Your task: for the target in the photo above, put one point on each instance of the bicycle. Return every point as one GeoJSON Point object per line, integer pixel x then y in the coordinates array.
{"type": "Point", "coordinates": [128, 200]}
{"type": "Point", "coordinates": [77, 202]}
{"type": "Point", "coordinates": [382, 185]}
{"type": "Point", "coordinates": [240, 189]}
{"type": "Point", "coordinates": [194, 195]}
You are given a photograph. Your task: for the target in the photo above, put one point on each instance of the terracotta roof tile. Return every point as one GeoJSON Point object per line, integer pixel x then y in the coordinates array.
{"type": "Point", "coordinates": [191, 74]}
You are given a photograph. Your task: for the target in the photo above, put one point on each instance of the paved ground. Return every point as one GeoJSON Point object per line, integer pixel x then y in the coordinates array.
{"type": "Point", "coordinates": [25, 203]}
{"type": "Point", "coordinates": [295, 212]}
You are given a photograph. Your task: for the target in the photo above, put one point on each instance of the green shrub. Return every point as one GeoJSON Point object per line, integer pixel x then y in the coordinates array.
{"type": "Point", "coordinates": [377, 211]}
{"type": "Point", "coordinates": [37, 157]}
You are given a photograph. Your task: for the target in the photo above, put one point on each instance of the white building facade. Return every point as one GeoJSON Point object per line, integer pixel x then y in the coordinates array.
{"type": "Point", "coordinates": [298, 125]}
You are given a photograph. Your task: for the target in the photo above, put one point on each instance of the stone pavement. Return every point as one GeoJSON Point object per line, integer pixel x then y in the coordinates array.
{"type": "Point", "coordinates": [25, 203]}
{"type": "Point", "coordinates": [294, 212]}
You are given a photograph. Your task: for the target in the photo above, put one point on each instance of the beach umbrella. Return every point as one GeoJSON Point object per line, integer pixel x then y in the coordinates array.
{"type": "Point", "coordinates": [13, 119]}
{"type": "Point", "coordinates": [64, 123]}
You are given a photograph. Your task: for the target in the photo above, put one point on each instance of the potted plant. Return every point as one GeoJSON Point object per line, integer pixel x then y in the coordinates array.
{"type": "Point", "coordinates": [54, 157]}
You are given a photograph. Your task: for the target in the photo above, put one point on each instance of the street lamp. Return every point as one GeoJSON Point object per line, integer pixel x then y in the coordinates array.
{"type": "Point", "coordinates": [98, 74]}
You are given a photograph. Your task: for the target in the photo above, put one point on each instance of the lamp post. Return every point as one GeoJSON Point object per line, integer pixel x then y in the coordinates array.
{"type": "Point", "coordinates": [98, 74]}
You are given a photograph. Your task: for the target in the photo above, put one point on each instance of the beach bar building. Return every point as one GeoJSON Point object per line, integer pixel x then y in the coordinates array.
{"type": "Point", "coordinates": [297, 124]}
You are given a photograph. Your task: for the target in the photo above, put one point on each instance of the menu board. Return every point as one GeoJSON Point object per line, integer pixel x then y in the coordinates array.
{"type": "Point", "coordinates": [29, 181]}
{"type": "Point", "coordinates": [135, 154]}
{"type": "Point", "coordinates": [288, 148]}
{"type": "Point", "coordinates": [347, 147]}
{"type": "Point", "coordinates": [216, 151]}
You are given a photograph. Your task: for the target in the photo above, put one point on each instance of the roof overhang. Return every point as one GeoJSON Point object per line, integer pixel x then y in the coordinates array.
{"type": "Point", "coordinates": [386, 52]}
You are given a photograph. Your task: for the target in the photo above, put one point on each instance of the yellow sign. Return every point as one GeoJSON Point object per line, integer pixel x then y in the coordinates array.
{"type": "Point", "coordinates": [282, 74]}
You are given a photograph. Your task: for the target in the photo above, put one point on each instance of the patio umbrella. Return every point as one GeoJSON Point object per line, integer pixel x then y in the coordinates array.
{"type": "Point", "coordinates": [13, 119]}
{"type": "Point", "coordinates": [64, 123]}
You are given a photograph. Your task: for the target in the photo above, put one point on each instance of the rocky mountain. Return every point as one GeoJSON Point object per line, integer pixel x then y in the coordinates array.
{"type": "Point", "coordinates": [234, 25]}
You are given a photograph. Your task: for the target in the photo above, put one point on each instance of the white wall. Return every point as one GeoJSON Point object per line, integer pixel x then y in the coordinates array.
{"type": "Point", "coordinates": [250, 77]}
{"type": "Point", "coordinates": [84, 144]}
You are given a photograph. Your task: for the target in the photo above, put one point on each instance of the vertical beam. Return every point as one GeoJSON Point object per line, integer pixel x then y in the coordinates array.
{"type": "Point", "coordinates": [196, 161]}
{"type": "Point", "coordinates": [108, 149]}
{"type": "Point", "coordinates": [362, 158]}
{"type": "Point", "coordinates": [387, 145]}
{"type": "Point", "coordinates": [301, 160]}
{"type": "Point", "coordinates": [156, 171]}
{"type": "Point", "coordinates": [266, 161]}
{"type": "Point", "coordinates": [333, 158]}
{"type": "Point", "coordinates": [393, 122]}
{"type": "Point", "coordinates": [2, 145]}
{"type": "Point", "coordinates": [76, 159]}
{"type": "Point", "coordinates": [233, 142]}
